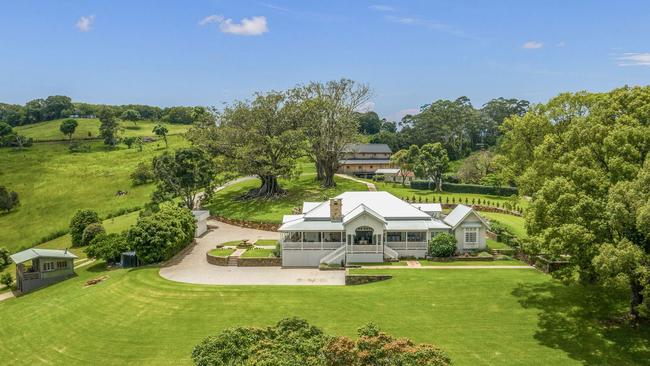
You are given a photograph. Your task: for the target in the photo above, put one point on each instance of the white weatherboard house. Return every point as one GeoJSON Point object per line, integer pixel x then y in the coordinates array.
{"type": "Point", "coordinates": [371, 226]}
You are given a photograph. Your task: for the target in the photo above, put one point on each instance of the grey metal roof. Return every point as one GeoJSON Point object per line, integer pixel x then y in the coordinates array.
{"type": "Point", "coordinates": [32, 253]}
{"type": "Point", "coordinates": [368, 148]}
{"type": "Point", "coordinates": [365, 161]}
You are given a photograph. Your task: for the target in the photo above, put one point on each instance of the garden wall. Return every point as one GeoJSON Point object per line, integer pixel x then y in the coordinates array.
{"type": "Point", "coordinates": [217, 261]}
{"type": "Point", "coordinates": [352, 279]}
{"type": "Point", "coordinates": [259, 262]}
{"type": "Point", "coordinates": [248, 224]}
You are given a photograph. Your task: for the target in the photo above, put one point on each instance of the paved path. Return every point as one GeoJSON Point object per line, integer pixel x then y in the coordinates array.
{"type": "Point", "coordinates": [448, 267]}
{"type": "Point", "coordinates": [413, 264]}
{"type": "Point", "coordinates": [6, 295]}
{"type": "Point", "coordinates": [191, 266]}
{"type": "Point", "coordinates": [371, 186]}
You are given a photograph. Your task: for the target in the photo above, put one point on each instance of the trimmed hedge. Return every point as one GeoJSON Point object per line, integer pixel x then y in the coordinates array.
{"type": "Point", "coordinates": [465, 188]}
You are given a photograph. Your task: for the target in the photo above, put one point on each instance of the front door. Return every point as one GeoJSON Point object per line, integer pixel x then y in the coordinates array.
{"type": "Point", "coordinates": [363, 236]}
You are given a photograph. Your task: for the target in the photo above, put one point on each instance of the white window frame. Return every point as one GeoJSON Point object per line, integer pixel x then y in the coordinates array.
{"type": "Point", "coordinates": [49, 266]}
{"type": "Point", "coordinates": [467, 232]}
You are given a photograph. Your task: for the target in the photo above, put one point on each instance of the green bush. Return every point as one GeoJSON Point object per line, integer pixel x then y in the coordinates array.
{"type": "Point", "coordinates": [6, 279]}
{"type": "Point", "coordinates": [5, 260]}
{"type": "Point", "coordinates": [80, 220]}
{"type": "Point", "coordinates": [8, 199]}
{"type": "Point", "coordinates": [90, 232]}
{"type": "Point", "coordinates": [161, 235]}
{"type": "Point", "coordinates": [108, 247]}
{"type": "Point", "coordinates": [442, 245]}
{"type": "Point", "coordinates": [293, 341]}
{"type": "Point", "coordinates": [142, 174]}
{"type": "Point", "coordinates": [277, 251]}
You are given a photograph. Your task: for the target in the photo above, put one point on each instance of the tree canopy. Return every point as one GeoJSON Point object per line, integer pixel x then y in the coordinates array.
{"type": "Point", "coordinates": [584, 159]}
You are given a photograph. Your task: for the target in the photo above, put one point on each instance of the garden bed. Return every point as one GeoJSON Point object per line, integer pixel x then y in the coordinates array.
{"type": "Point", "coordinates": [219, 256]}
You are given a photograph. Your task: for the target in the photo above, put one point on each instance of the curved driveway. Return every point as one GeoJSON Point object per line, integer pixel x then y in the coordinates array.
{"type": "Point", "coordinates": [191, 266]}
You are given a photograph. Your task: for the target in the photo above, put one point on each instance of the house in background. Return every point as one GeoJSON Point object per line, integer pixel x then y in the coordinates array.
{"type": "Point", "coordinates": [47, 266]}
{"type": "Point", "coordinates": [364, 159]}
{"type": "Point", "coordinates": [395, 175]}
{"type": "Point", "coordinates": [358, 227]}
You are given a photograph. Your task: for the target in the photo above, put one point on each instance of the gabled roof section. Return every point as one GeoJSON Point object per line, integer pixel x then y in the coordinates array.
{"type": "Point", "coordinates": [368, 148]}
{"type": "Point", "coordinates": [383, 203]}
{"type": "Point", "coordinates": [33, 253]}
{"type": "Point", "coordinates": [458, 214]}
{"type": "Point", "coordinates": [358, 211]}
{"type": "Point", "coordinates": [428, 207]}
{"type": "Point", "coordinates": [308, 206]}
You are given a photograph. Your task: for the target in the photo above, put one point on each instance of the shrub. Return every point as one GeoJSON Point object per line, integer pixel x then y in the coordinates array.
{"type": "Point", "coordinates": [277, 251]}
{"type": "Point", "coordinates": [161, 235]}
{"type": "Point", "coordinates": [142, 174]}
{"type": "Point", "coordinates": [8, 199]}
{"type": "Point", "coordinates": [6, 279]}
{"type": "Point", "coordinates": [442, 245]}
{"type": "Point", "coordinates": [90, 232]}
{"type": "Point", "coordinates": [108, 247]}
{"type": "Point", "coordinates": [5, 260]}
{"type": "Point", "coordinates": [479, 189]}
{"type": "Point", "coordinates": [484, 255]}
{"type": "Point", "coordinates": [293, 341]}
{"type": "Point", "coordinates": [80, 220]}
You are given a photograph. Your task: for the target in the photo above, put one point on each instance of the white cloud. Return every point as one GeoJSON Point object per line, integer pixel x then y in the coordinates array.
{"type": "Point", "coordinates": [253, 26]}
{"type": "Point", "coordinates": [634, 59]}
{"type": "Point", "coordinates": [85, 23]}
{"type": "Point", "coordinates": [379, 7]}
{"type": "Point", "coordinates": [532, 45]}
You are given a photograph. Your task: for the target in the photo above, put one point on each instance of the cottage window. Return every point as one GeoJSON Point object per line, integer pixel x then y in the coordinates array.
{"type": "Point", "coordinates": [417, 236]}
{"type": "Point", "coordinates": [395, 236]}
{"type": "Point", "coordinates": [48, 266]}
{"type": "Point", "coordinates": [471, 235]}
{"type": "Point", "coordinates": [61, 264]}
{"type": "Point", "coordinates": [311, 237]}
{"type": "Point", "coordinates": [332, 237]}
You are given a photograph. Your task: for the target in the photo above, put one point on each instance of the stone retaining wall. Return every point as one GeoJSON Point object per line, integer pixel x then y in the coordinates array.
{"type": "Point", "coordinates": [352, 279]}
{"type": "Point", "coordinates": [217, 261]}
{"type": "Point", "coordinates": [247, 224]}
{"type": "Point", "coordinates": [259, 262]}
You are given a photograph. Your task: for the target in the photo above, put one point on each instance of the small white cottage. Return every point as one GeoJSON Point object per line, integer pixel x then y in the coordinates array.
{"type": "Point", "coordinates": [372, 226]}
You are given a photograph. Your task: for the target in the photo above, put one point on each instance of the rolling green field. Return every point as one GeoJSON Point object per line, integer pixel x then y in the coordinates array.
{"type": "Point", "coordinates": [89, 128]}
{"type": "Point", "coordinates": [480, 317]}
{"type": "Point", "coordinates": [53, 183]}
{"type": "Point", "coordinates": [227, 203]}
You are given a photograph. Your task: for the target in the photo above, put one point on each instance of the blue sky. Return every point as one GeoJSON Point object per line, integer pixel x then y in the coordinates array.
{"type": "Point", "coordinates": [410, 52]}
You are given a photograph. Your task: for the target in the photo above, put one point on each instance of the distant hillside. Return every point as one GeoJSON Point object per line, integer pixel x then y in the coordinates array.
{"type": "Point", "coordinates": [89, 128]}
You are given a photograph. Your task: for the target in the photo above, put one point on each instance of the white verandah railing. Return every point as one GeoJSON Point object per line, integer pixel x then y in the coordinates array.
{"type": "Point", "coordinates": [406, 245]}
{"type": "Point", "coordinates": [322, 245]}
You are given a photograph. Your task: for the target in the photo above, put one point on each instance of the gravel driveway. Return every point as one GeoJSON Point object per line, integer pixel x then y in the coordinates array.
{"type": "Point", "coordinates": [190, 266]}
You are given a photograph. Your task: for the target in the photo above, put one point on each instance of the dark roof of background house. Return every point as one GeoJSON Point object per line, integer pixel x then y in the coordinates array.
{"type": "Point", "coordinates": [368, 148]}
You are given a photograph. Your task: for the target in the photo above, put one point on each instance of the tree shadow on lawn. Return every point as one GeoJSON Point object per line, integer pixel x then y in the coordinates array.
{"type": "Point", "coordinates": [579, 321]}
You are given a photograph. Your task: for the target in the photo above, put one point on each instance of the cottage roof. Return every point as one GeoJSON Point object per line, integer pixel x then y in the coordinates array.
{"type": "Point", "coordinates": [458, 214]}
{"type": "Point", "coordinates": [368, 148]}
{"type": "Point", "coordinates": [364, 161]}
{"type": "Point", "coordinates": [32, 253]}
{"type": "Point", "coordinates": [383, 203]}
{"type": "Point", "coordinates": [387, 171]}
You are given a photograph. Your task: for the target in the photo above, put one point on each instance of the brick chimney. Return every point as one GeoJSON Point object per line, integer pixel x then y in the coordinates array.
{"type": "Point", "coordinates": [336, 209]}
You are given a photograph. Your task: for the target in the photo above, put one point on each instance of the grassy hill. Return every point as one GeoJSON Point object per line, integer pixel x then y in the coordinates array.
{"type": "Point", "coordinates": [89, 128]}
{"type": "Point", "coordinates": [53, 183]}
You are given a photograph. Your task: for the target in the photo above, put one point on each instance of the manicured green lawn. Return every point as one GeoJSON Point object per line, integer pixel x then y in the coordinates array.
{"type": "Point", "coordinates": [222, 252]}
{"type": "Point", "coordinates": [227, 203]}
{"type": "Point", "coordinates": [266, 242]}
{"type": "Point", "coordinates": [480, 317]}
{"type": "Point", "coordinates": [515, 223]}
{"type": "Point", "coordinates": [258, 253]}
{"type": "Point", "coordinates": [50, 130]}
{"type": "Point", "coordinates": [505, 262]}
{"type": "Point", "coordinates": [406, 192]}
{"type": "Point", "coordinates": [53, 183]}
{"type": "Point", "coordinates": [232, 243]}
{"type": "Point", "coordinates": [493, 244]}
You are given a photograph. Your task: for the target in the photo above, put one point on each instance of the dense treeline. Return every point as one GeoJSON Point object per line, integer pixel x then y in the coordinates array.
{"type": "Point", "coordinates": [60, 106]}
{"type": "Point", "coordinates": [457, 125]}
{"type": "Point", "coordinates": [584, 159]}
